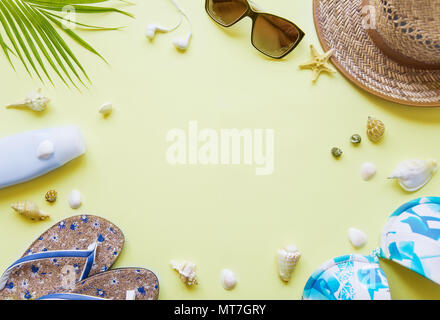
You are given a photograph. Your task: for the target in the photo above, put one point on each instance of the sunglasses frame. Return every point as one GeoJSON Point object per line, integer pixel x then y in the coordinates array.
{"type": "Point", "coordinates": [253, 14]}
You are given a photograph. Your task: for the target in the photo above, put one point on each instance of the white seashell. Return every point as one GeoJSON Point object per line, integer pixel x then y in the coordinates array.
{"type": "Point", "coordinates": [34, 101]}
{"type": "Point", "coordinates": [414, 174]}
{"type": "Point", "coordinates": [29, 210]}
{"type": "Point", "coordinates": [186, 270]}
{"type": "Point", "coordinates": [357, 237]}
{"type": "Point", "coordinates": [228, 279]}
{"type": "Point", "coordinates": [287, 261]}
{"type": "Point", "coordinates": [75, 199]}
{"type": "Point", "coordinates": [45, 149]}
{"type": "Point", "coordinates": [368, 170]}
{"type": "Point", "coordinates": [106, 109]}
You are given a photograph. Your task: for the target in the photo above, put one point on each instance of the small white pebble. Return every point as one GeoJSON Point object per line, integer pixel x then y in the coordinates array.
{"type": "Point", "coordinates": [75, 200]}
{"type": "Point", "coordinates": [368, 170]}
{"type": "Point", "coordinates": [106, 109]}
{"type": "Point", "coordinates": [45, 149]}
{"type": "Point", "coordinates": [228, 279]}
{"type": "Point", "coordinates": [357, 237]}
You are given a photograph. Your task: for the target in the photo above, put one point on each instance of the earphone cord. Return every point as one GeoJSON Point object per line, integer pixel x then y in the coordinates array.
{"type": "Point", "coordinates": [183, 14]}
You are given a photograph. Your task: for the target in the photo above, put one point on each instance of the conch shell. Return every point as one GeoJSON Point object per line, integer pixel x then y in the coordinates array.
{"type": "Point", "coordinates": [414, 174]}
{"type": "Point", "coordinates": [287, 260]}
{"type": "Point", "coordinates": [186, 270]}
{"type": "Point", "coordinates": [29, 210]}
{"type": "Point", "coordinates": [34, 101]}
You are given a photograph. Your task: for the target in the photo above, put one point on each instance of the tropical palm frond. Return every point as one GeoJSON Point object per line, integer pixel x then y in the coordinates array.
{"type": "Point", "coordinates": [31, 32]}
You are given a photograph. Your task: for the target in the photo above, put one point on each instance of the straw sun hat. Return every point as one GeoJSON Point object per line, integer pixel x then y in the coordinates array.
{"type": "Point", "coordinates": [391, 48]}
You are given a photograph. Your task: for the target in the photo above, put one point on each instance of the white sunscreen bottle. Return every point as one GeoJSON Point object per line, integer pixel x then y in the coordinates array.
{"type": "Point", "coordinates": [31, 154]}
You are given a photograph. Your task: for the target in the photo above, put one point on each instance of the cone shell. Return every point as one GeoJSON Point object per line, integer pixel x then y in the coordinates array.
{"type": "Point", "coordinates": [29, 210]}
{"type": "Point", "coordinates": [375, 129]}
{"type": "Point", "coordinates": [287, 260]}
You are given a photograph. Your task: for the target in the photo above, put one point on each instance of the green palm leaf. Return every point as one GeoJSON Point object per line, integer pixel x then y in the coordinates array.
{"type": "Point", "coordinates": [30, 31]}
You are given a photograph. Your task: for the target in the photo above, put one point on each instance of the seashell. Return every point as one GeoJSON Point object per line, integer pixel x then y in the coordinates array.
{"type": "Point", "coordinates": [186, 270]}
{"type": "Point", "coordinates": [368, 170]}
{"type": "Point", "coordinates": [375, 129]}
{"type": "Point", "coordinates": [106, 109]}
{"type": "Point", "coordinates": [29, 210]}
{"type": "Point", "coordinates": [287, 260]}
{"type": "Point", "coordinates": [228, 279]}
{"type": "Point", "coordinates": [357, 237]}
{"type": "Point", "coordinates": [34, 101]}
{"type": "Point", "coordinates": [45, 149]}
{"type": "Point", "coordinates": [414, 174]}
{"type": "Point", "coordinates": [355, 139]}
{"type": "Point", "coordinates": [75, 200]}
{"type": "Point", "coordinates": [336, 152]}
{"type": "Point", "coordinates": [51, 196]}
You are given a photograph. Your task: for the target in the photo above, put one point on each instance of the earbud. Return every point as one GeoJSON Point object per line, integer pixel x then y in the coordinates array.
{"type": "Point", "coordinates": [152, 29]}
{"type": "Point", "coordinates": [182, 44]}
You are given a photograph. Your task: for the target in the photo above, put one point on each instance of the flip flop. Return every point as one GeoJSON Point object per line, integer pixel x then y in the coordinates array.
{"type": "Point", "coordinates": [117, 284]}
{"type": "Point", "coordinates": [70, 251]}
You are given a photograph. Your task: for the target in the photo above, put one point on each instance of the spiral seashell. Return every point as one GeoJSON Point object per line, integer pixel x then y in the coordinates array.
{"type": "Point", "coordinates": [34, 101]}
{"type": "Point", "coordinates": [287, 261]}
{"type": "Point", "coordinates": [29, 210]}
{"type": "Point", "coordinates": [187, 272]}
{"type": "Point", "coordinates": [375, 129]}
{"type": "Point", "coordinates": [414, 174]}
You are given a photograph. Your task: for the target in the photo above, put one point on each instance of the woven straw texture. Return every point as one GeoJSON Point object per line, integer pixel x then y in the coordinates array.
{"type": "Point", "coordinates": [410, 27]}
{"type": "Point", "coordinates": [339, 24]}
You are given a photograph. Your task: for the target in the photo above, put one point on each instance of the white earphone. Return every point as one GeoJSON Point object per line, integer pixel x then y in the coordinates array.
{"type": "Point", "coordinates": [152, 29]}
{"type": "Point", "coordinates": [180, 44]}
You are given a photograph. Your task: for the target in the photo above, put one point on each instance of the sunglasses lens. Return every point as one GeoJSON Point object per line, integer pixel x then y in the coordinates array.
{"type": "Point", "coordinates": [226, 12]}
{"type": "Point", "coordinates": [274, 36]}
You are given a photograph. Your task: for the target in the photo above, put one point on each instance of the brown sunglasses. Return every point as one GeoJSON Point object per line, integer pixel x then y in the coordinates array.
{"type": "Point", "coordinates": [273, 36]}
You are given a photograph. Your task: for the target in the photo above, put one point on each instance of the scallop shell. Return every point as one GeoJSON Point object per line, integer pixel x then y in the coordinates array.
{"type": "Point", "coordinates": [357, 237]}
{"type": "Point", "coordinates": [187, 272]}
{"type": "Point", "coordinates": [29, 210]}
{"type": "Point", "coordinates": [287, 261]}
{"type": "Point", "coordinates": [414, 174]}
{"type": "Point", "coordinates": [34, 101]}
{"type": "Point", "coordinates": [375, 129]}
{"type": "Point", "coordinates": [229, 280]}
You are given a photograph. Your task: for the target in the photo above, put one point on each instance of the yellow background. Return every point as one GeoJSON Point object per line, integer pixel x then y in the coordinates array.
{"type": "Point", "coordinates": [219, 216]}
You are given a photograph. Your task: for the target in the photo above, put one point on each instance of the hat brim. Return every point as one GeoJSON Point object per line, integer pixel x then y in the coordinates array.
{"type": "Point", "coordinates": [339, 27]}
